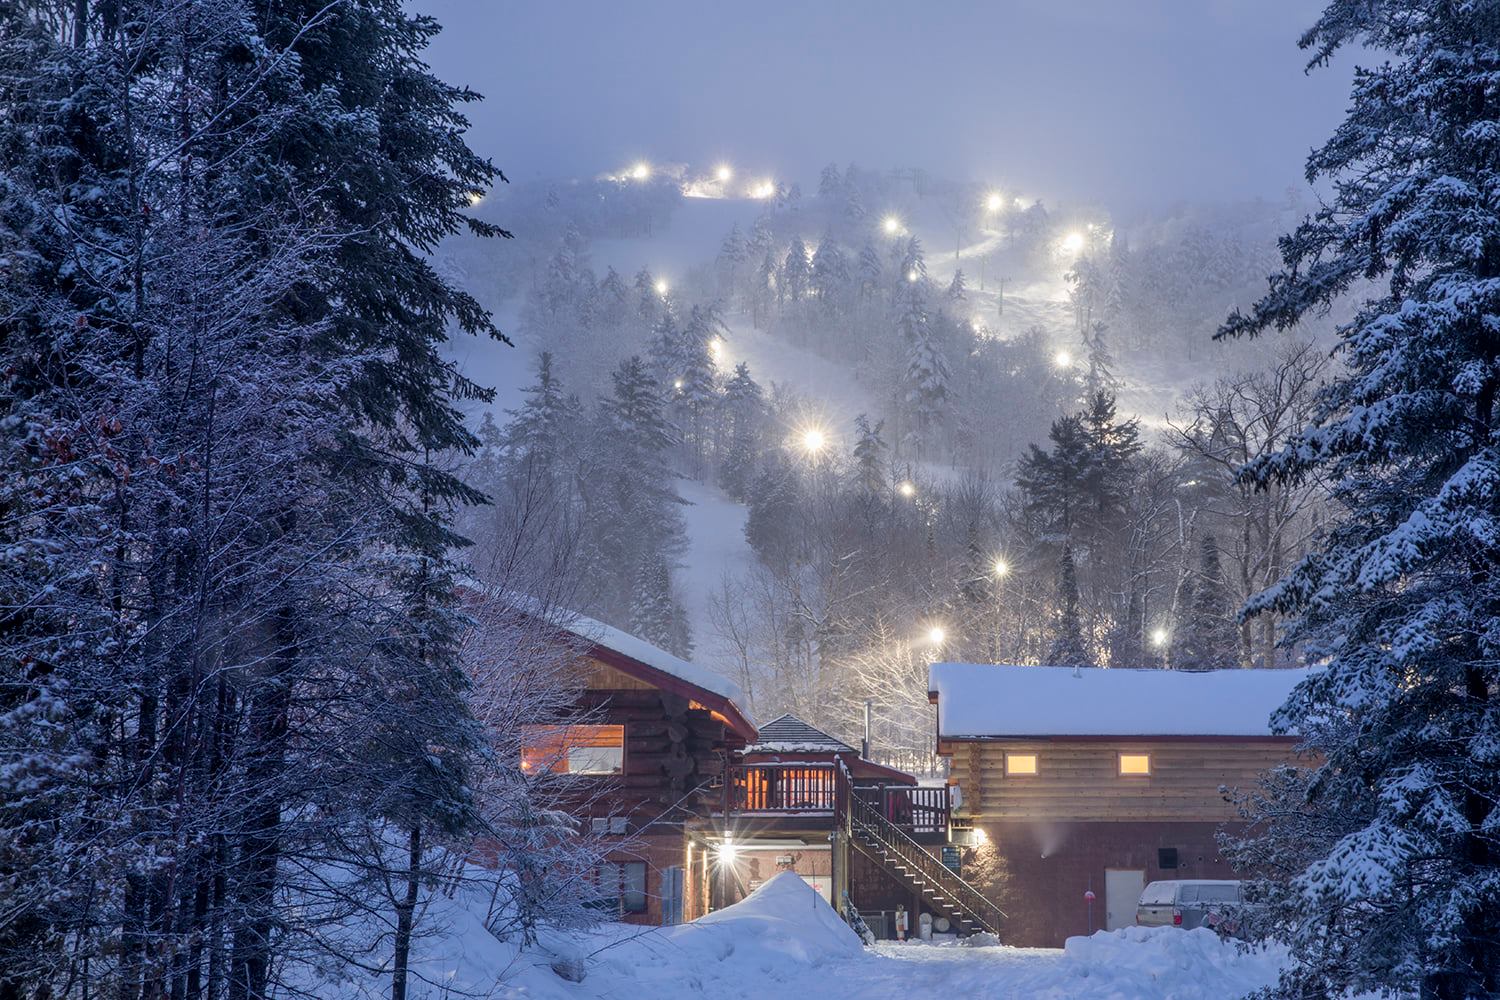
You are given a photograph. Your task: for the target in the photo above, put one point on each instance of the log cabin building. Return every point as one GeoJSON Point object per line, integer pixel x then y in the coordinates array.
{"type": "Point", "coordinates": [702, 805]}
{"type": "Point", "coordinates": [1089, 780]}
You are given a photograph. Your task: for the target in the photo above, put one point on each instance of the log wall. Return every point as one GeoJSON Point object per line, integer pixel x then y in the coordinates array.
{"type": "Point", "coordinates": [1078, 780]}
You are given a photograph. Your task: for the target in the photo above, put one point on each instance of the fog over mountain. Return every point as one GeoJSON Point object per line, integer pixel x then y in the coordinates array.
{"type": "Point", "coordinates": [1133, 104]}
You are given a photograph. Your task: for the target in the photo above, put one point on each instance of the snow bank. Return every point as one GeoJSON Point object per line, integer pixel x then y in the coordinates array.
{"type": "Point", "coordinates": [785, 916]}
{"type": "Point", "coordinates": [783, 942]}
{"type": "Point", "coordinates": [1169, 962]}
{"type": "Point", "coordinates": [997, 700]}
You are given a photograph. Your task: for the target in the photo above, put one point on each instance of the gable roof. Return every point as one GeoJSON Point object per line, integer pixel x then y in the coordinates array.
{"type": "Point", "coordinates": [984, 700]}
{"type": "Point", "coordinates": [789, 734]}
{"type": "Point", "coordinates": [627, 653]}
{"type": "Point", "coordinates": [659, 668]}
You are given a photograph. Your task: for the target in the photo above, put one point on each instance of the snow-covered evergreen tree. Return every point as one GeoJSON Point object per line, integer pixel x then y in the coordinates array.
{"type": "Point", "coordinates": [1400, 598]}
{"type": "Point", "coordinates": [1067, 647]}
{"type": "Point", "coordinates": [796, 272]}
{"type": "Point", "coordinates": [869, 456]}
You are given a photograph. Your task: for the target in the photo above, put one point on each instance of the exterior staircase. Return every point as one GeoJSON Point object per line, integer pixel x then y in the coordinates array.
{"type": "Point", "coordinates": [894, 850]}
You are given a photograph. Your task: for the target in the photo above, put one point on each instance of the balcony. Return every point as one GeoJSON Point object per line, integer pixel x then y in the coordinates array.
{"type": "Point", "coordinates": [810, 790]}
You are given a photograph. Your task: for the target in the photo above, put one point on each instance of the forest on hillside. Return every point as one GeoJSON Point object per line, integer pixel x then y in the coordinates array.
{"type": "Point", "coordinates": [995, 501]}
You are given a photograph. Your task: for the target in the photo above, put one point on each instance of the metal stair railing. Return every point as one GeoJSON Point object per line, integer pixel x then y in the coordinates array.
{"type": "Point", "coordinates": [863, 820]}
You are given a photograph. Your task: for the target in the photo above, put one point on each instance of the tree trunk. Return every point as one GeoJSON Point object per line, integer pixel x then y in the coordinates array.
{"type": "Point", "coordinates": [404, 911]}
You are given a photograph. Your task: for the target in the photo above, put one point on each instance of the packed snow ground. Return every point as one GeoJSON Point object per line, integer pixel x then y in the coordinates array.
{"type": "Point", "coordinates": [785, 942]}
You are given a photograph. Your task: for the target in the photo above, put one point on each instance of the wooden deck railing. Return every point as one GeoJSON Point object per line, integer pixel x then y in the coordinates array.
{"type": "Point", "coordinates": [782, 788]}
{"type": "Point", "coordinates": [922, 812]}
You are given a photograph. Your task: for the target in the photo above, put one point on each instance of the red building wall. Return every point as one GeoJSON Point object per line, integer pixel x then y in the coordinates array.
{"type": "Point", "coordinates": [1047, 868]}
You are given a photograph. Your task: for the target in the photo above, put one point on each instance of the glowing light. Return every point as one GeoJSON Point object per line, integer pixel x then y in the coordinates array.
{"type": "Point", "coordinates": [724, 173]}
{"type": "Point", "coordinates": [1159, 637]}
{"type": "Point", "coordinates": [727, 852]}
{"type": "Point", "coordinates": [662, 287]}
{"type": "Point", "coordinates": [1020, 203]}
{"type": "Point", "coordinates": [937, 635]}
{"type": "Point", "coordinates": [1072, 243]}
{"type": "Point", "coordinates": [640, 172]}
{"type": "Point", "coordinates": [978, 838]}
{"type": "Point", "coordinates": [891, 225]}
{"type": "Point", "coordinates": [475, 197]}
{"type": "Point", "coordinates": [994, 203]}
{"type": "Point", "coordinates": [716, 348]}
{"type": "Point", "coordinates": [1001, 567]}
{"type": "Point", "coordinates": [906, 488]}
{"type": "Point", "coordinates": [765, 189]}
{"type": "Point", "coordinates": [677, 385]}
{"type": "Point", "coordinates": [813, 440]}
{"type": "Point", "coordinates": [1062, 359]}
{"type": "Point", "coordinates": [912, 275]}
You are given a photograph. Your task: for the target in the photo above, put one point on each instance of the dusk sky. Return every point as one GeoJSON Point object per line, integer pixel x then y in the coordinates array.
{"type": "Point", "coordinates": [1133, 104]}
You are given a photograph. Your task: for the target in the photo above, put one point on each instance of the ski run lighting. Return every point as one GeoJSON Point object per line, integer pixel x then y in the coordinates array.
{"type": "Point", "coordinates": [1001, 567]}
{"type": "Point", "coordinates": [1158, 637]}
{"type": "Point", "coordinates": [813, 440]}
{"type": "Point", "coordinates": [1073, 243]}
{"type": "Point", "coordinates": [763, 190]}
{"type": "Point", "coordinates": [662, 287]}
{"type": "Point", "coordinates": [907, 488]}
{"type": "Point", "coordinates": [994, 203]}
{"type": "Point", "coordinates": [891, 225]}
{"type": "Point", "coordinates": [716, 348]}
{"type": "Point", "coordinates": [1062, 359]}
{"type": "Point", "coordinates": [640, 172]}
{"type": "Point", "coordinates": [724, 173]}
{"type": "Point", "coordinates": [937, 635]}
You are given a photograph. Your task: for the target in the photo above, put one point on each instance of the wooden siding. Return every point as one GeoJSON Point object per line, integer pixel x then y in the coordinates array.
{"type": "Point", "coordinates": [1080, 780]}
{"type": "Point", "coordinates": [600, 676]}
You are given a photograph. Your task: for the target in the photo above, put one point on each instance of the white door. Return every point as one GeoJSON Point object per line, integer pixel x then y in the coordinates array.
{"type": "Point", "coordinates": [1122, 894]}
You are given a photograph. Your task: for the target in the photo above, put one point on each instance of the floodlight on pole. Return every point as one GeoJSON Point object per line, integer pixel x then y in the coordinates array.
{"type": "Point", "coordinates": [724, 173]}
{"type": "Point", "coordinates": [641, 171]}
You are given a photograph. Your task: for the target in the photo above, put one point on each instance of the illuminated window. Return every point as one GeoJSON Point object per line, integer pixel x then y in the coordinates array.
{"type": "Point", "coordinates": [1020, 763]}
{"type": "Point", "coordinates": [573, 749]}
{"type": "Point", "coordinates": [1135, 763]}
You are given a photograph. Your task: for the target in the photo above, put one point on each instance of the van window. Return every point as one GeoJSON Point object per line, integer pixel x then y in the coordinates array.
{"type": "Point", "coordinates": [1224, 892]}
{"type": "Point", "coordinates": [1159, 894]}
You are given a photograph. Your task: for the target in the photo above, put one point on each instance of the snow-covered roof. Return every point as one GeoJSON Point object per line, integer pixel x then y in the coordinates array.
{"type": "Point", "coordinates": [642, 651]}
{"type": "Point", "coordinates": [984, 699]}
{"type": "Point", "coordinates": [623, 644]}
{"type": "Point", "coordinates": [789, 734]}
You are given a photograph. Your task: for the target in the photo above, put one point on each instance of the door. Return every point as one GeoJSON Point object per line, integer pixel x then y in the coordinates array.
{"type": "Point", "coordinates": [1122, 893]}
{"type": "Point", "coordinates": [671, 895]}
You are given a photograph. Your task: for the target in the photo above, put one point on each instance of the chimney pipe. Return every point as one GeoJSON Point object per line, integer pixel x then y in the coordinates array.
{"type": "Point", "coordinates": [864, 747]}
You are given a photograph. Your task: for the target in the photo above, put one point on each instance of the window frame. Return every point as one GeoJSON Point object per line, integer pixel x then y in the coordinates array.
{"type": "Point", "coordinates": [1036, 763]}
{"type": "Point", "coordinates": [622, 874]}
{"type": "Point", "coordinates": [561, 754]}
{"type": "Point", "coordinates": [1120, 771]}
